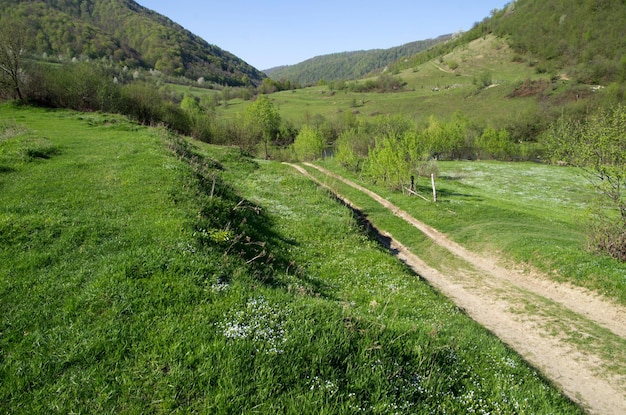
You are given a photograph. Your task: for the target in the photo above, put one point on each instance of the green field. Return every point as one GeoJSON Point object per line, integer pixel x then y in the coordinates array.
{"type": "Point", "coordinates": [431, 89]}
{"type": "Point", "coordinates": [142, 274]}
{"type": "Point", "coordinates": [524, 213]}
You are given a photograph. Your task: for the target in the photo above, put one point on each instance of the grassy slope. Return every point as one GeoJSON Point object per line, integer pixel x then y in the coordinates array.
{"type": "Point", "coordinates": [457, 91]}
{"type": "Point", "coordinates": [113, 300]}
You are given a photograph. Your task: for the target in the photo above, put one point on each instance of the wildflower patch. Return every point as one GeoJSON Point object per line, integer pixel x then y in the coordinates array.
{"type": "Point", "coordinates": [259, 322]}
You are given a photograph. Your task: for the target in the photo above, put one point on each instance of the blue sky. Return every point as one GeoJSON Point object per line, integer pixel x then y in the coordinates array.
{"type": "Point", "coordinates": [277, 32]}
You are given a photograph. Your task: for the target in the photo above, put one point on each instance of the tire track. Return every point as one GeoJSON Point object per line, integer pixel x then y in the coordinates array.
{"type": "Point", "coordinates": [498, 303]}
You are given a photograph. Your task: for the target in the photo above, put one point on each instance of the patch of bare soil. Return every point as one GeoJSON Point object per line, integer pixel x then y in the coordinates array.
{"type": "Point", "coordinates": [573, 336]}
{"type": "Point", "coordinates": [530, 88]}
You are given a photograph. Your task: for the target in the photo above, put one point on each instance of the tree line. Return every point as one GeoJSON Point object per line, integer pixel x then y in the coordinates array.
{"type": "Point", "coordinates": [349, 65]}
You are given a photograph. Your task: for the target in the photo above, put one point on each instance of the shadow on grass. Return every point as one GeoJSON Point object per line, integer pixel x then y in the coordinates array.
{"type": "Point", "coordinates": [266, 253]}
{"type": "Point", "coordinates": [446, 193]}
{"type": "Point", "coordinates": [228, 223]}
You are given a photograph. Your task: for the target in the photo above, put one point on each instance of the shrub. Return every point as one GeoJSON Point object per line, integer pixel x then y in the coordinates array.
{"type": "Point", "coordinates": [309, 144]}
{"type": "Point", "coordinates": [78, 86]}
{"type": "Point", "coordinates": [495, 144]}
{"type": "Point", "coordinates": [484, 80]}
{"type": "Point", "coordinates": [446, 140]}
{"type": "Point", "coordinates": [598, 147]}
{"type": "Point", "coordinates": [346, 151]}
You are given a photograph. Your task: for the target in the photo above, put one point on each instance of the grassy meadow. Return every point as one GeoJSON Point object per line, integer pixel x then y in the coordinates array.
{"type": "Point", "coordinates": [140, 273]}
{"type": "Point", "coordinates": [432, 88]}
{"type": "Point", "coordinates": [524, 213]}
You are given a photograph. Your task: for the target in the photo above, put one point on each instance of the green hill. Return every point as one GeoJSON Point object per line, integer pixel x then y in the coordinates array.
{"type": "Point", "coordinates": [348, 65]}
{"type": "Point", "coordinates": [125, 32]}
{"type": "Point", "coordinates": [584, 40]}
{"type": "Point", "coordinates": [499, 74]}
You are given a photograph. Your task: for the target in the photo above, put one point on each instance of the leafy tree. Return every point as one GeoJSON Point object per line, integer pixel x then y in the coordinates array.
{"type": "Point", "coordinates": [494, 143]}
{"type": "Point", "coordinates": [200, 121]}
{"type": "Point", "coordinates": [388, 162]}
{"type": "Point", "coordinates": [191, 104]}
{"type": "Point", "coordinates": [396, 158]}
{"type": "Point", "coordinates": [345, 152]}
{"type": "Point", "coordinates": [263, 122]}
{"type": "Point", "coordinates": [598, 147]}
{"type": "Point", "coordinates": [13, 46]}
{"type": "Point", "coordinates": [309, 144]}
{"type": "Point", "coordinates": [446, 140]}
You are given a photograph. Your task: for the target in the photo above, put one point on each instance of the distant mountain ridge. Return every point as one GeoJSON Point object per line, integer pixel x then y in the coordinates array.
{"type": "Point", "coordinates": [348, 65]}
{"type": "Point", "coordinates": [124, 31]}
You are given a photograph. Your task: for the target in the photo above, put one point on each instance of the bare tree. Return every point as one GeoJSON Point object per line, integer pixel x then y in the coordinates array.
{"type": "Point", "coordinates": [13, 45]}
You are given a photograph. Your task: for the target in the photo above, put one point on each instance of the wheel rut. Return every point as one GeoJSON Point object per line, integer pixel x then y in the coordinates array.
{"type": "Point", "coordinates": [544, 321]}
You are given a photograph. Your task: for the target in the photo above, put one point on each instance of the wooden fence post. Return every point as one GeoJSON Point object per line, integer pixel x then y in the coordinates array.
{"type": "Point", "coordinates": [432, 178]}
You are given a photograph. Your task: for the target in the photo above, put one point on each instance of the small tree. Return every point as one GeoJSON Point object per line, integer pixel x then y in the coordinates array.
{"type": "Point", "coordinates": [309, 144]}
{"type": "Point", "coordinates": [13, 45]}
{"type": "Point", "coordinates": [346, 152]}
{"type": "Point", "coordinates": [446, 140]}
{"type": "Point", "coordinates": [263, 121]}
{"type": "Point", "coordinates": [392, 161]}
{"type": "Point", "coordinates": [494, 143]}
{"type": "Point", "coordinates": [598, 147]}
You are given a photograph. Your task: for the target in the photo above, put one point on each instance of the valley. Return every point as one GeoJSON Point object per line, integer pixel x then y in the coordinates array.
{"type": "Point", "coordinates": [438, 227]}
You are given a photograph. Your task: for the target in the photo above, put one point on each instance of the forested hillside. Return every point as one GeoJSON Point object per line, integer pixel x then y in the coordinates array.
{"type": "Point", "coordinates": [348, 65]}
{"type": "Point", "coordinates": [123, 31]}
{"type": "Point", "coordinates": [586, 37]}
{"type": "Point", "coordinates": [583, 40]}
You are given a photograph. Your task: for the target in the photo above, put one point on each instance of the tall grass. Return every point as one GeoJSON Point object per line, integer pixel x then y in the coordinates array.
{"type": "Point", "coordinates": [142, 274]}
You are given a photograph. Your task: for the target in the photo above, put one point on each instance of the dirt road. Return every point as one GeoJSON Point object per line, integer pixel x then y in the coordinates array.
{"type": "Point", "coordinates": [574, 337]}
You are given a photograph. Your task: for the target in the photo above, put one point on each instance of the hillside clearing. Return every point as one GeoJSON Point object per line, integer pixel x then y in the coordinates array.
{"type": "Point", "coordinates": [543, 321]}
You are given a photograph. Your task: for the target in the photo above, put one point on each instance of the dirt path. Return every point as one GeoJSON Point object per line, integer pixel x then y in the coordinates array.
{"type": "Point", "coordinates": [574, 337]}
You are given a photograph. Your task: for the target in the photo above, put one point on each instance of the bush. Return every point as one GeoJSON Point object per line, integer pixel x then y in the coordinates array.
{"type": "Point", "coordinates": [78, 86]}
{"type": "Point", "coordinates": [384, 83]}
{"type": "Point", "coordinates": [446, 140]}
{"type": "Point", "coordinates": [309, 144]}
{"type": "Point", "coordinates": [495, 144]}
{"type": "Point", "coordinates": [598, 147]}
{"type": "Point", "coordinates": [605, 236]}
{"type": "Point", "coordinates": [484, 80]}
{"type": "Point", "coordinates": [346, 150]}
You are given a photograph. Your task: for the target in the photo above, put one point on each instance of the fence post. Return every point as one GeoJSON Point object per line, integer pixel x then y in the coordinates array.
{"type": "Point", "coordinates": [432, 178]}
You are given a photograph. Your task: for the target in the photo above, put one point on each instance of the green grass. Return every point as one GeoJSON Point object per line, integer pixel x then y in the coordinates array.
{"type": "Point", "coordinates": [139, 274]}
{"type": "Point", "coordinates": [527, 213]}
{"type": "Point", "coordinates": [456, 92]}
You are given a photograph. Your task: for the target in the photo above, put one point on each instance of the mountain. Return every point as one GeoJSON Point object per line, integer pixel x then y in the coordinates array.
{"type": "Point", "coordinates": [125, 32]}
{"type": "Point", "coordinates": [348, 65]}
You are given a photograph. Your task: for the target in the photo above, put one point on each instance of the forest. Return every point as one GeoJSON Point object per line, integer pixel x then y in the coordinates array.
{"type": "Point", "coordinates": [123, 33]}
{"type": "Point", "coordinates": [349, 65]}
